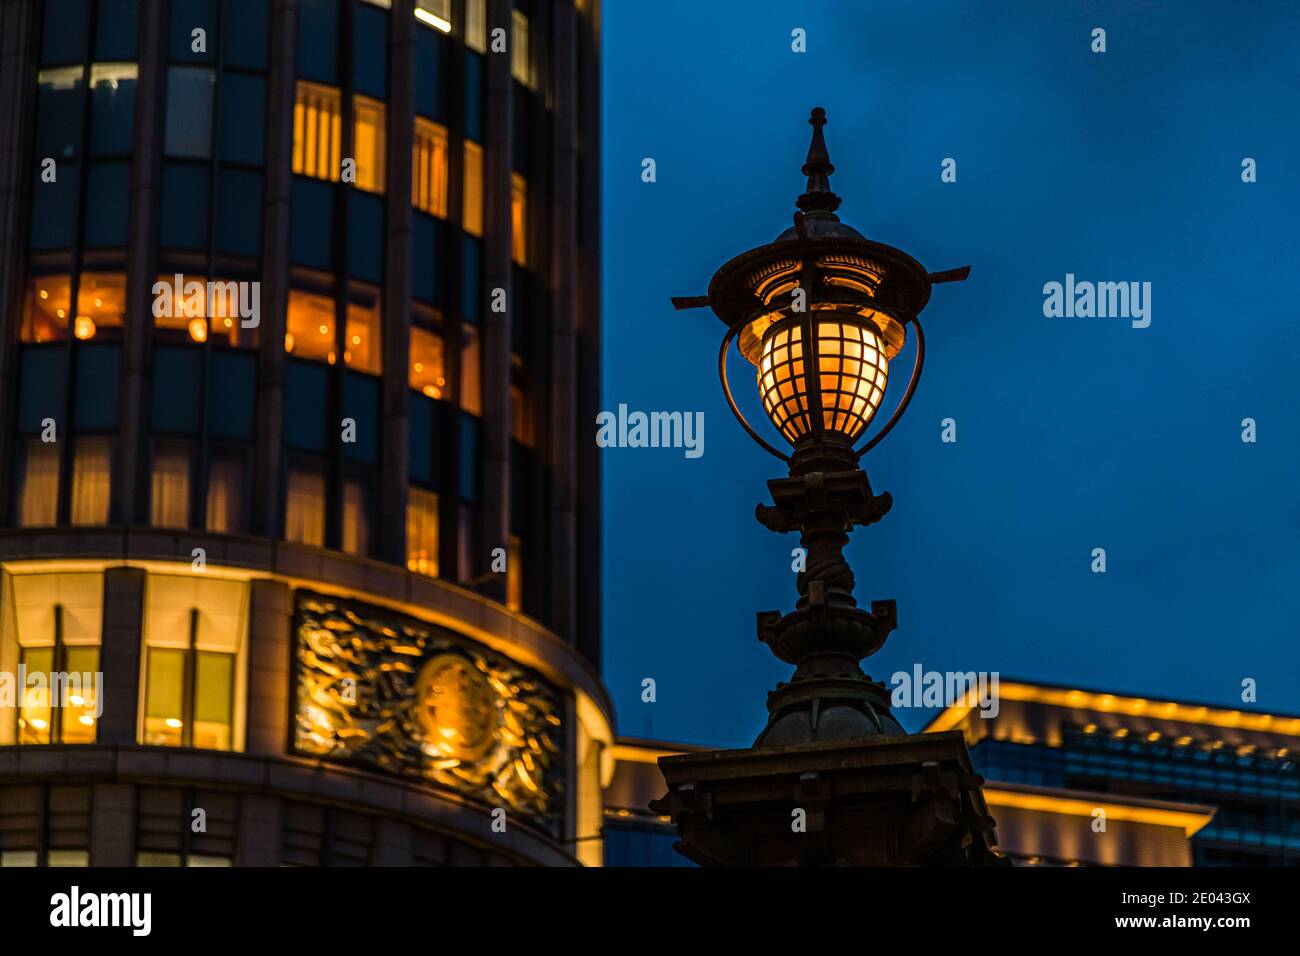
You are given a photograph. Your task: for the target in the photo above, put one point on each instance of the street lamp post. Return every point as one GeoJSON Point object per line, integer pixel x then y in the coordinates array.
{"type": "Point", "coordinates": [821, 313]}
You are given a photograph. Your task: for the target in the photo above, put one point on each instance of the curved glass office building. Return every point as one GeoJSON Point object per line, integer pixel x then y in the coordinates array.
{"type": "Point", "coordinates": [299, 548]}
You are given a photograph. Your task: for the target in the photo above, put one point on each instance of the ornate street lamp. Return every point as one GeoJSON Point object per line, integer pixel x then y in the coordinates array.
{"type": "Point", "coordinates": [821, 313]}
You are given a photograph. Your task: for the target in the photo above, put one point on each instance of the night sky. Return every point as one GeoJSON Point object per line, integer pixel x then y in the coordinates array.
{"type": "Point", "coordinates": [1073, 433]}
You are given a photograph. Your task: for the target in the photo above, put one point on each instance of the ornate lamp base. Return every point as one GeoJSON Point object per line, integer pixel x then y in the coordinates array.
{"type": "Point", "coordinates": [880, 801]}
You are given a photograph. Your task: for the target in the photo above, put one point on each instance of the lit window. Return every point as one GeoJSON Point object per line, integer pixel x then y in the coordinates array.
{"type": "Point", "coordinates": [101, 303]}
{"type": "Point", "coordinates": [91, 480]}
{"type": "Point", "coordinates": [170, 488]}
{"type": "Point", "coordinates": [56, 624]}
{"type": "Point", "coordinates": [369, 134]}
{"type": "Point", "coordinates": [225, 508]}
{"type": "Point", "coordinates": [476, 25]}
{"type": "Point", "coordinates": [520, 62]}
{"type": "Point", "coordinates": [194, 636]}
{"type": "Point", "coordinates": [304, 511]}
{"type": "Point", "coordinates": [519, 219]}
{"type": "Point", "coordinates": [362, 349]}
{"type": "Point", "coordinates": [428, 374]}
{"type": "Point", "coordinates": [317, 131]}
{"type": "Point", "coordinates": [310, 326]}
{"type": "Point", "coordinates": [521, 425]}
{"type": "Point", "coordinates": [45, 313]}
{"type": "Point", "coordinates": [356, 519]}
{"type": "Point", "coordinates": [201, 307]}
{"type": "Point", "coordinates": [429, 168]}
{"type": "Point", "coordinates": [38, 496]}
{"type": "Point", "coordinates": [471, 217]}
{"type": "Point", "coordinates": [435, 13]}
{"type": "Point", "coordinates": [422, 532]}
{"type": "Point", "coordinates": [471, 397]}
{"type": "Point", "coordinates": [515, 575]}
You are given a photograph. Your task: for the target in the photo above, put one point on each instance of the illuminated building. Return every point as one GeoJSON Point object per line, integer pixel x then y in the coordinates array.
{"type": "Point", "coordinates": [1176, 784]}
{"type": "Point", "coordinates": [300, 311]}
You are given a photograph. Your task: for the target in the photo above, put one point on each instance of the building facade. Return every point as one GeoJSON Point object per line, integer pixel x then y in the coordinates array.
{"type": "Point", "coordinates": [300, 314]}
{"type": "Point", "coordinates": [1181, 784]}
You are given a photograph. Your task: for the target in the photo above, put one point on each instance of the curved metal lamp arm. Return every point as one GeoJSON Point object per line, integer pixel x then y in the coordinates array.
{"type": "Point", "coordinates": [731, 402]}
{"type": "Point", "coordinates": [907, 396]}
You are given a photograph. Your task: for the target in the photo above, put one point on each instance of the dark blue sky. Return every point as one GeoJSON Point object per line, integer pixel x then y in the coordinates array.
{"type": "Point", "coordinates": [1073, 433]}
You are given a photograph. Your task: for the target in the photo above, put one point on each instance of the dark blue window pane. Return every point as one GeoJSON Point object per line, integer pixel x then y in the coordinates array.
{"type": "Point", "coordinates": [112, 110]}
{"type": "Point", "coordinates": [313, 223]}
{"type": "Point", "coordinates": [471, 285]}
{"type": "Point", "coordinates": [44, 379]}
{"type": "Point", "coordinates": [54, 208]}
{"type": "Point", "coordinates": [190, 92]}
{"type": "Point", "coordinates": [176, 377]}
{"type": "Point", "coordinates": [423, 240]}
{"type": "Point", "coordinates": [318, 40]}
{"type": "Point", "coordinates": [243, 118]}
{"type": "Point", "coordinates": [108, 189]}
{"type": "Point", "coordinates": [429, 86]}
{"type": "Point", "coordinates": [474, 97]}
{"type": "Point", "coordinates": [232, 394]}
{"type": "Point", "coordinates": [469, 428]}
{"type": "Point", "coordinates": [304, 405]}
{"type": "Point", "coordinates": [370, 51]}
{"type": "Point", "coordinates": [95, 394]}
{"type": "Point", "coordinates": [361, 403]}
{"type": "Point", "coordinates": [58, 114]}
{"type": "Point", "coordinates": [522, 144]}
{"type": "Point", "coordinates": [188, 16]}
{"type": "Point", "coordinates": [115, 29]}
{"type": "Point", "coordinates": [239, 212]}
{"type": "Point", "coordinates": [243, 33]}
{"type": "Point", "coordinates": [64, 33]}
{"type": "Point", "coordinates": [365, 235]}
{"type": "Point", "coordinates": [185, 206]}
{"type": "Point", "coordinates": [421, 410]}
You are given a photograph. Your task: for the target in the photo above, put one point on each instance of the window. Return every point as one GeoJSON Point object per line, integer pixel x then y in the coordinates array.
{"type": "Point", "coordinates": [38, 492]}
{"type": "Point", "coordinates": [225, 507]}
{"type": "Point", "coordinates": [521, 424]}
{"type": "Point", "coordinates": [56, 625]}
{"type": "Point", "coordinates": [521, 64]}
{"type": "Point", "coordinates": [369, 135]}
{"type": "Point", "coordinates": [91, 473]}
{"type": "Point", "coordinates": [304, 511]}
{"type": "Point", "coordinates": [310, 326]}
{"type": "Point", "coordinates": [435, 13]}
{"type": "Point", "coordinates": [58, 113]}
{"type": "Point", "coordinates": [422, 532]}
{"type": "Point", "coordinates": [170, 488]}
{"type": "Point", "coordinates": [194, 638]}
{"type": "Point", "coordinates": [429, 168]}
{"type": "Point", "coordinates": [191, 91]}
{"type": "Point", "coordinates": [427, 370]}
{"type": "Point", "coordinates": [471, 398]}
{"type": "Point", "coordinates": [45, 312]}
{"type": "Point", "coordinates": [101, 303]}
{"type": "Point", "coordinates": [362, 350]}
{"type": "Point", "coordinates": [515, 574]}
{"type": "Point", "coordinates": [519, 219]}
{"type": "Point", "coordinates": [317, 131]}
{"type": "Point", "coordinates": [165, 837]}
{"type": "Point", "coordinates": [112, 91]}
{"type": "Point", "coordinates": [476, 25]}
{"type": "Point", "coordinates": [356, 518]}
{"type": "Point", "coordinates": [471, 218]}
{"type": "Point", "coordinates": [49, 825]}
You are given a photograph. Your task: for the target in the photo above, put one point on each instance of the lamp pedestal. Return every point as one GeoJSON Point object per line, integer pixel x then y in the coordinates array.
{"type": "Point", "coordinates": [881, 801]}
